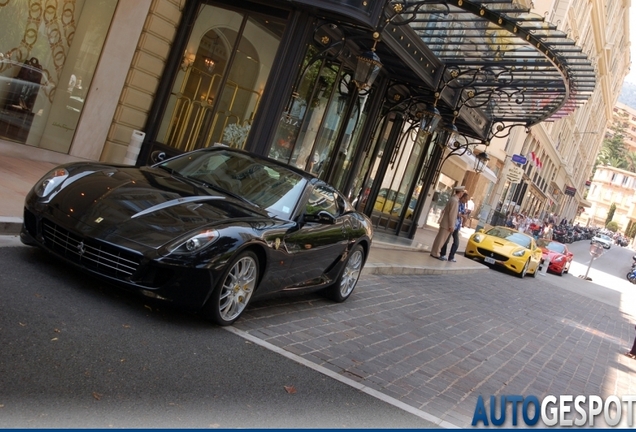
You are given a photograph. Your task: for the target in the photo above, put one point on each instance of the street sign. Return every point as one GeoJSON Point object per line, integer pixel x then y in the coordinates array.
{"type": "Point", "coordinates": [519, 159]}
{"type": "Point", "coordinates": [515, 174]}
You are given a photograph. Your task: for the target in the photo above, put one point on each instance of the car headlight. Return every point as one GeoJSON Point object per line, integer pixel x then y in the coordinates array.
{"type": "Point", "coordinates": [50, 182]}
{"type": "Point", "coordinates": [477, 238]}
{"type": "Point", "coordinates": [193, 243]}
{"type": "Point", "coordinates": [519, 252]}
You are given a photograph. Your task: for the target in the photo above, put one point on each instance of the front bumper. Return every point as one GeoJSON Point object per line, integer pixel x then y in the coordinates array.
{"type": "Point", "coordinates": [489, 257]}
{"type": "Point", "coordinates": [183, 284]}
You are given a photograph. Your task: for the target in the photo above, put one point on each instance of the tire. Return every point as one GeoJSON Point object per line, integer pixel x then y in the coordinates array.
{"type": "Point", "coordinates": [234, 290]}
{"type": "Point", "coordinates": [348, 277]}
{"type": "Point", "coordinates": [562, 270]}
{"type": "Point", "coordinates": [524, 270]}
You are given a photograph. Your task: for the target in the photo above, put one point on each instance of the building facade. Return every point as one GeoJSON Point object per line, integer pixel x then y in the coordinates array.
{"type": "Point", "coordinates": [560, 154]}
{"type": "Point", "coordinates": [387, 100]}
{"type": "Point", "coordinates": [611, 186]}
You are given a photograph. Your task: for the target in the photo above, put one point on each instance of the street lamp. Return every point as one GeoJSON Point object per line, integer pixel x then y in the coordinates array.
{"type": "Point", "coordinates": [430, 119]}
{"type": "Point", "coordinates": [368, 66]}
{"type": "Point", "coordinates": [480, 161]}
{"type": "Point", "coordinates": [451, 138]}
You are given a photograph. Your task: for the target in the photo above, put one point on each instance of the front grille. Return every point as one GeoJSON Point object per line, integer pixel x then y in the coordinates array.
{"type": "Point", "coordinates": [491, 254]}
{"type": "Point", "coordinates": [103, 258]}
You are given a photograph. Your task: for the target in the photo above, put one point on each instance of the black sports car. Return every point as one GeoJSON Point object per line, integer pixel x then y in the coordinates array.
{"type": "Point", "coordinates": [207, 230]}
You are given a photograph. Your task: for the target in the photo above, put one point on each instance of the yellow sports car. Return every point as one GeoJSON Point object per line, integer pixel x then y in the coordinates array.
{"type": "Point", "coordinates": [505, 247]}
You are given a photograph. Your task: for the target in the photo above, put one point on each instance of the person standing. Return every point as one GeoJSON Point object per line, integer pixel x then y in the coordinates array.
{"type": "Point", "coordinates": [460, 218]}
{"type": "Point", "coordinates": [548, 232]}
{"type": "Point", "coordinates": [447, 221]}
{"type": "Point", "coordinates": [470, 206]}
{"type": "Point", "coordinates": [632, 353]}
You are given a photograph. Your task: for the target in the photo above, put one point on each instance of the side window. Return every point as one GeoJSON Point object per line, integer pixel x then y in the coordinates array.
{"type": "Point", "coordinates": [323, 198]}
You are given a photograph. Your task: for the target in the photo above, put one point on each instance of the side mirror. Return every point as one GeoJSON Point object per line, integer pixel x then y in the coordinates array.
{"type": "Point", "coordinates": [157, 156]}
{"type": "Point", "coordinates": [321, 217]}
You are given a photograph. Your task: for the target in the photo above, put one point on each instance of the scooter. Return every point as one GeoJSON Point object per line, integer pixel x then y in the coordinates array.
{"type": "Point", "coordinates": [631, 276]}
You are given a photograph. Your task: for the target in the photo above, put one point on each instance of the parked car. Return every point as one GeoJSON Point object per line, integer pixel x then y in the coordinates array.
{"type": "Point", "coordinates": [389, 201]}
{"type": "Point", "coordinates": [506, 247]}
{"type": "Point", "coordinates": [559, 255]}
{"type": "Point", "coordinates": [208, 230]}
{"type": "Point", "coordinates": [603, 239]}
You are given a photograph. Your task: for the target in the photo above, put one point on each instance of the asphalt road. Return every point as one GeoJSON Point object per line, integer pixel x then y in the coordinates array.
{"type": "Point", "coordinates": [79, 353]}
{"type": "Point", "coordinates": [75, 353]}
{"type": "Point", "coordinates": [608, 283]}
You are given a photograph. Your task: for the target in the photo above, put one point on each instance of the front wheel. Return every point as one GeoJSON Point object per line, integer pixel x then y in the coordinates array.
{"type": "Point", "coordinates": [524, 270]}
{"type": "Point", "coordinates": [234, 290]}
{"type": "Point", "coordinates": [348, 278]}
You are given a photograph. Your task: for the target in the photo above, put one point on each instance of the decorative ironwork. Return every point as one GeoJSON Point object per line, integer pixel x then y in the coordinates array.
{"type": "Point", "coordinates": [500, 59]}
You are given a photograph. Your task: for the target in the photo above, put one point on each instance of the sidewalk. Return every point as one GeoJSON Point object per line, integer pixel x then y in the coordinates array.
{"type": "Point", "coordinates": [389, 255]}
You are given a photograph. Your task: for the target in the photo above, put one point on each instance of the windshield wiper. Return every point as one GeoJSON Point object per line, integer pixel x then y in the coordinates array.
{"type": "Point", "coordinates": [220, 189]}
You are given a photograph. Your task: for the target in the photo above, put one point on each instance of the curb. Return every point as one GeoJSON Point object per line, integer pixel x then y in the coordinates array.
{"type": "Point", "coordinates": [10, 225]}
{"type": "Point", "coordinates": [390, 270]}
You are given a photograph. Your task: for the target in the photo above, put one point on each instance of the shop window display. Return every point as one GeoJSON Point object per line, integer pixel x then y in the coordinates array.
{"type": "Point", "coordinates": [46, 47]}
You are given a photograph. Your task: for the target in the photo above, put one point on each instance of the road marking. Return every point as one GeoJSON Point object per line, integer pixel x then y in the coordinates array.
{"type": "Point", "coordinates": [371, 392]}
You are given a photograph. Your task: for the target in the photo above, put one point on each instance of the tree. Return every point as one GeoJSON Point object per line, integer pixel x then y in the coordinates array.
{"type": "Point", "coordinates": [630, 161]}
{"type": "Point", "coordinates": [610, 214]}
{"type": "Point", "coordinates": [612, 226]}
{"type": "Point", "coordinates": [613, 150]}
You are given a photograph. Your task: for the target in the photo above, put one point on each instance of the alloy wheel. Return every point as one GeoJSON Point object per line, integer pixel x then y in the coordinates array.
{"type": "Point", "coordinates": [237, 288]}
{"type": "Point", "coordinates": [351, 273]}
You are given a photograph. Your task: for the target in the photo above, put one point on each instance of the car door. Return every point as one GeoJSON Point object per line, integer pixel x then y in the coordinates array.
{"type": "Point", "coordinates": [537, 255]}
{"type": "Point", "coordinates": [321, 238]}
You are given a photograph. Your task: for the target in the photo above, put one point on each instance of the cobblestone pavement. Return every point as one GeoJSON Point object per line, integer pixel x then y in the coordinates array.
{"type": "Point", "coordinates": [437, 342]}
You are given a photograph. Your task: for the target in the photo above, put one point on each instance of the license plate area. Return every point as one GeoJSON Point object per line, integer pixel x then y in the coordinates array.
{"type": "Point", "coordinates": [489, 260]}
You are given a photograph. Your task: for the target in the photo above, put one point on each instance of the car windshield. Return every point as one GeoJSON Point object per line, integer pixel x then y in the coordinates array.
{"type": "Point", "coordinates": [511, 236]}
{"type": "Point", "coordinates": [604, 237]}
{"type": "Point", "coordinates": [266, 185]}
{"type": "Point", "coordinates": [550, 245]}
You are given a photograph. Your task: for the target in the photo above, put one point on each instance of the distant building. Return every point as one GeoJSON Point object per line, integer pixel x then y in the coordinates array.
{"type": "Point", "coordinates": [614, 185]}
{"type": "Point", "coordinates": [611, 186]}
{"type": "Point", "coordinates": [625, 118]}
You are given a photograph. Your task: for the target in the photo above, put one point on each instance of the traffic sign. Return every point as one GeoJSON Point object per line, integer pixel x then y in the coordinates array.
{"type": "Point", "coordinates": [519, 159]}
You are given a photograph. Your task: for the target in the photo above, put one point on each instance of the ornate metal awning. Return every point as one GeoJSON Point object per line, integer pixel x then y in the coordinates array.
{"type": "Point", "coordinates": [494, 57]}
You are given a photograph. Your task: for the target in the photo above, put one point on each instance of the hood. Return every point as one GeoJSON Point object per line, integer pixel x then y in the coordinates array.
{"type": "Point", "coordinates": [144, 205]}
{"type": "Point", "coordinates": [502, 246]}
{"type": "Point", "coordinates": [547, 252]}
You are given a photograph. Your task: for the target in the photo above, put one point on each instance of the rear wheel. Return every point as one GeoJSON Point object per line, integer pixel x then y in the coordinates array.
{"type": "Point", "coordinates": [234, 290]}
{"type": "Point", "coordinates": [348, 278]}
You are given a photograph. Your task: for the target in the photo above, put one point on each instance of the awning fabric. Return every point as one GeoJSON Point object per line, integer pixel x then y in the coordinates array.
{"type": "Point", "coordinates": [467, 162]}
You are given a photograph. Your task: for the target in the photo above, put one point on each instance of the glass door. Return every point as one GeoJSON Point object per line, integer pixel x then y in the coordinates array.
{"type": "Point", "coordinates": [218, 88]}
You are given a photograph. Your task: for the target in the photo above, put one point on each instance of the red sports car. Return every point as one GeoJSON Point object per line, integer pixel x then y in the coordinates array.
{"type": "Point", "coordinates": [560, 256]}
